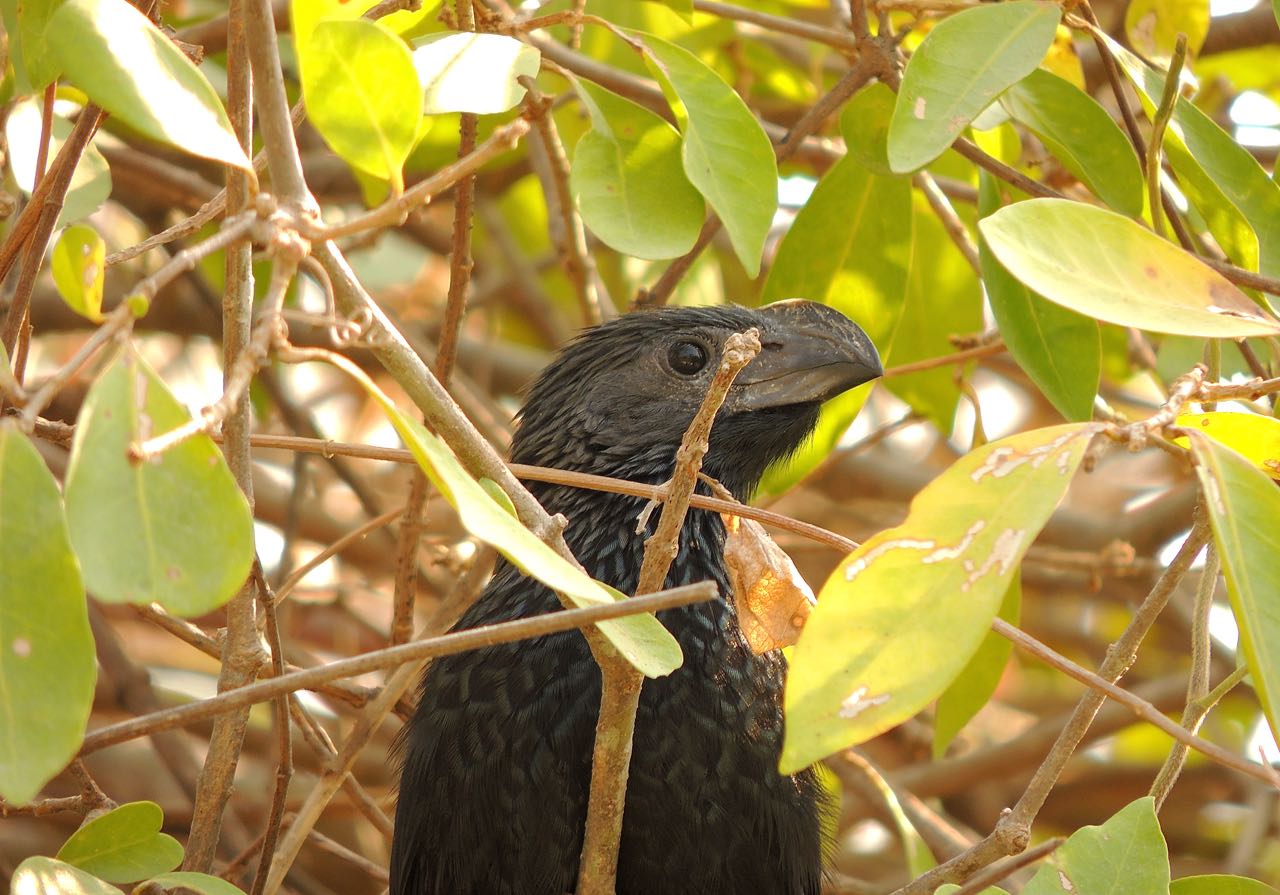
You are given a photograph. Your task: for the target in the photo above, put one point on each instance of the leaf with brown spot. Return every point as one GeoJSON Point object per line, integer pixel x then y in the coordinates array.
{"type": "Point", "coordinates": [773, 599]}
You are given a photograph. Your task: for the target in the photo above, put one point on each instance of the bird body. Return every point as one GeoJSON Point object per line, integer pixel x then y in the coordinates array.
{"type": "Point", "coordinates": [497, 758]}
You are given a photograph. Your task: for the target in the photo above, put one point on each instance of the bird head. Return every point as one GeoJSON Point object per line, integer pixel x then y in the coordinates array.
{"type": "Point", "coordinates": [617, 400]}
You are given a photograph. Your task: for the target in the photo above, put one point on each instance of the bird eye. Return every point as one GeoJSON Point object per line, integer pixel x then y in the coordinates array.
{"type": "Point", "coordinates": [687, 358]}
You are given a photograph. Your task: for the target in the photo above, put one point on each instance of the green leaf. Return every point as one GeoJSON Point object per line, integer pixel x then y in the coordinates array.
{"type": "Point", "coordinates": [1218, 883]}
{"type": "Point", "coordinates": [196, 882]}
{"type": "Point", "coordinates": [1082, 135]}
{"type": "Point", "coordinates": [928, 587]}
{"type": "Point", "coordinates": [1125, 854]}
{"type": "Point", "coordinates": [962, 65]}
{"type": "Point", "coordinates": [362, 94]}
{"type": "Point", "coordinates": [49, 876]}
{"type": "Point", "coordinates": [1243, 508]}
{"type": "Point", "coordinates": [1153, 26]}
{"type": "Point", "coordinates": [682, 8]}
{"type": "Point", "coordinates": [726, 153]}
{"type": "Point", "coordinates": [79, 270]}
{"type": "Point", "coordinates": [1060, 350]}
{"type": "Point", "coordinates": [1102, 264]}
{"type": "Point", "coordinates": [944, 298]}
{"type": "Point", "coordinates": [974, 685]}
{"type": "Point", "coordinates": [126, 65]}
{"type": "Point", "coordinates": [1253, 436]}
{"type": "Point", "coordinates": [123, 845]}
{"type": "Point", "coordinates": [1217, 166]}
{"type": "Point", "coordinates": [175, 529]}
{"type": "Point", "coordinates": [864, 124]}
{"type": "Point", "coordinates": [469, 72]}
{"type": "Point", "coordinates": [628, 180]}
{"type": "Point", "coordinates": [849, 247]}
{"type": "Point", "coordinates": [642, 639]}
{"type": "Point", "coordinates": [90, 182]}
{"type": "Point", "coordinates": [951, 888]}
{"type": "Point", "coordinates": [47, 665]}
{"type": "Point", "coordinates": [27, 24]}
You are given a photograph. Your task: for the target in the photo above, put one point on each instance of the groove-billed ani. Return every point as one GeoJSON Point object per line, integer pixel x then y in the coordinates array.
{"type": "Point", "coordinates": [497, 758]}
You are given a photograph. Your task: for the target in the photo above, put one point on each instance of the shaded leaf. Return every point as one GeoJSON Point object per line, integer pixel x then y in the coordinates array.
{"type": "Point", "coordinates": [1219, 884]}
{"type": "Point", "coordinates": [1127, 853]}
{"type": "Point", "coordinates": [1217, 167]}
{"type": "Point", "coordinates": [726, 153]}
{"type": "Point", "coordinates": [175, 529]}
{"type": "Point", "coordinates": [1243, 507]}
{"type": "Point", "coordinates": [123, 845]}
{"type": "Point", "coordinates": [864, 124]}
{"type": "Point", "coordinates": [469, 72]}
{"type": "Point", "coordinates": [362, 94]}
{"type": "Point", "coordinates": [1102, 264]}
{"type": "Point", "coordinates": [629, 182]}
{"type": "Point", "coordinates": [1082, 135]}
{"type": "Point", "coordinates": [963, 64]}
{"type": "Point", "coordinates": [1060, 350]}
{"type": "Point", "coordinates": [928, 587]}
{"type": "Point", "coordinates": [125, 64]}
{"type": "Point", "coordinates": [79, 266]}
{"type": "Point", "coordinates": [47, 662]}
{"type": "Point", "coordinates": [33, 59]}
{"type": "Point", "coordinates": [849, 247]}
{"type": "Point", "coordinates": [196, 882]}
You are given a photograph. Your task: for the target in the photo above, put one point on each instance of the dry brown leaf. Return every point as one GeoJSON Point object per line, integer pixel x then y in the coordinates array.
{"type": "Point", "coordinates": [773, 599]}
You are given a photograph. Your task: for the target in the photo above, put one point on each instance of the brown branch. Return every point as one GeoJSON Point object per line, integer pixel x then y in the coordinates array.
{"type": "Point", "coordinates": [620, 681]}
{"type": "Point", "coordinates": [280, 720]}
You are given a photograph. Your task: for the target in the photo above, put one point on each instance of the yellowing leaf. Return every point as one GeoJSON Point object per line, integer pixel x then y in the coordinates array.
{"type": "Point", "coordinates": [79, 270]}
{"type": "Point", "coordinates": [901, 616]}
{"type": "Point", "coordinates": [1254, 437]}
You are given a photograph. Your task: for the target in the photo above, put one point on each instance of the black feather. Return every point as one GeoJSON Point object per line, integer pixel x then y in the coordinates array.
{"type": "Point", "coordinates": [497, 758]}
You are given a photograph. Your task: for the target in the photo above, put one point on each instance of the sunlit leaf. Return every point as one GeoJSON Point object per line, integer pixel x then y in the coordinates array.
{"type": "Point", "coordinates": [628, 180]}
{"type": "Point", "coordinates": [90, 182]}
{"type": "Point", "coordinates": [1153, 26]}
{"type": "Point", "coordinates": [975, 684]}
{"type": "Point", "coordinates": [964, 63]}
{"type": "Point", "coordinates": [1243, 507]}
{"type": "Point", "coordinates": [1104, 265]}
{"type": "Point", "coordinates": [1127, 853]}
{"type": "Point", "coordinates": [928, 587]}
{"type": "Point", "coordinates": [1082, 135]}
{"type": "Point", "coordinates": [642, 639]}
{"type": "Point", "coordinates": [1059, 349]}
{"type": "Point", "coordinates": [123, 845]}
{"type": "Point", "coordinates": [726, 153]}
{"type": "Point", "coordinates": [47, 663]}
{"type": "Point", "coordinates": [362, 94]}
{"type": "Point", "coordinates": [1253, 436]}
{"type": "Point", "coordinates": [125, 64]}
{"type": "Point", "coordinates": [79, 265]}
{"type": "Point", "coordinates": [469, 72]}
{"type": "Point", "coordinates": [48, 876]}
{"type": "Point", "coordinates": [176, 529]}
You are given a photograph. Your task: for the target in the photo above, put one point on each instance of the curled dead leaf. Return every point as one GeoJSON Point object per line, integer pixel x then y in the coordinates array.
{"type": "Point", "coordinates": [773, 600]}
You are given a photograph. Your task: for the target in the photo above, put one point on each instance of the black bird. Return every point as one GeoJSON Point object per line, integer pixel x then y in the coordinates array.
{"type": "Point", "coordinates": [497, 758]}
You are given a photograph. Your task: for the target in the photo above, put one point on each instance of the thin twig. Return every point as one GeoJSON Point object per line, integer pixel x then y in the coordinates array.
{"type": "Point", "coordinates": [1164, 112]}
{"type": "Point", "coordinates": [620, 681]}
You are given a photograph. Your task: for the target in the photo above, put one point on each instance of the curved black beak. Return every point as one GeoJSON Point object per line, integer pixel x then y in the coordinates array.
{"type": "Point", "coordinates": [809, 353]}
